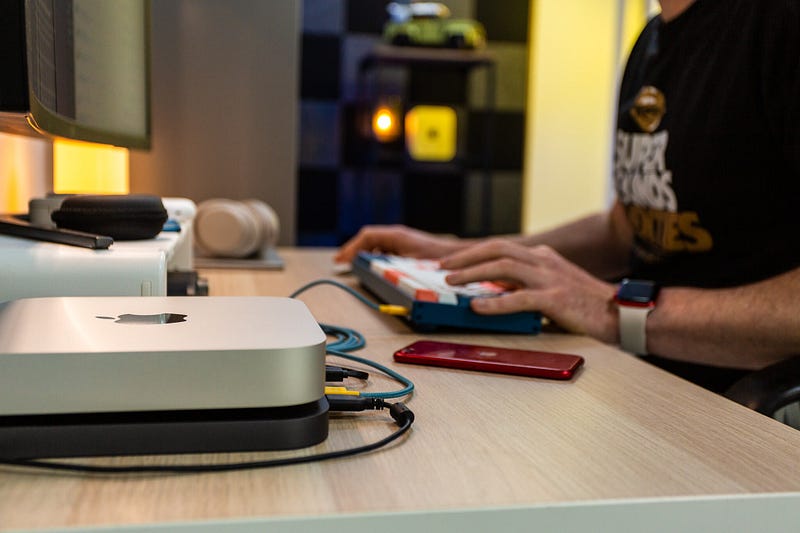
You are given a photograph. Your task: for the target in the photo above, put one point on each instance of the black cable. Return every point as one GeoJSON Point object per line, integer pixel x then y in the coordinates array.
{"type": "Point", "coordinates": [340, 373]}
{"type": "Point", "coordinates": [401, 414]}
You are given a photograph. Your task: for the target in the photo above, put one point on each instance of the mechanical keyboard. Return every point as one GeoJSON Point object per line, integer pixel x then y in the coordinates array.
{"type": "Point", "coordinates": [418, 284]}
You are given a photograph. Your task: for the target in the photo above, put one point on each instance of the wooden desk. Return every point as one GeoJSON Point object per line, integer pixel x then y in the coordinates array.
{"type": "Point", "coordinates": [623, 444]}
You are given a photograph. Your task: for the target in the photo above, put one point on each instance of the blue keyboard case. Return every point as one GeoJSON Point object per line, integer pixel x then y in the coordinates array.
{"type": "Point", "coordinates": [429, 316]}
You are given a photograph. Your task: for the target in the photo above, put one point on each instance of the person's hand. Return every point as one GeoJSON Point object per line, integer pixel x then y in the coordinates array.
{"type": "Point", "coordinates": [398, 240]}
{"type": "Point", "coordinates": [545, 281]}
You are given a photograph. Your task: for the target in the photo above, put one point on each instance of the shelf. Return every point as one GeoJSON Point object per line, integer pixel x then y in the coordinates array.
{"type": "Point", "coordinates": [404, 55]}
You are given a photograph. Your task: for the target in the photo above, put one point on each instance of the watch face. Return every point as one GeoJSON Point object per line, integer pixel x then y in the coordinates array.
{"type": "Point", "coordinates": [637, 291]}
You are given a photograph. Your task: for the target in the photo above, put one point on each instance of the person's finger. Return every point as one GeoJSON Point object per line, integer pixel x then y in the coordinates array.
{"type": "Point", "coordinates": [505, 269]}
{"type": "Point", "coordinates": [479, 253]}
{"type": "Point", "coordinates": [524, 300]}
{"type": "Point", "coordinates": [367, 239]}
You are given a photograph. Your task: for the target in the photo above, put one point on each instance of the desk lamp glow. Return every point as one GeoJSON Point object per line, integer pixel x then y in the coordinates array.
{"type": "Point", "coordinates": [385, 123]}
{"type": "Point", "coordinates": [89, 168]}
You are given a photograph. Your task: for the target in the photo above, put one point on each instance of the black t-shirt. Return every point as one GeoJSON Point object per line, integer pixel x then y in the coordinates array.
{"type": "Point", "coordinates": [707, 158]}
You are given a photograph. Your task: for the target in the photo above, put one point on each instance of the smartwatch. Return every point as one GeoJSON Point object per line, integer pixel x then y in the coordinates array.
{"type": "Point", "coordinates": [635, 300]}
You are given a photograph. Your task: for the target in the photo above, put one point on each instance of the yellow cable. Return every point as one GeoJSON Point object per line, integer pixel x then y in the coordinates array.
{"type": "Point", "coordinates": [341, 390]}
{"type": "Point", "coordinates": [396, 310]}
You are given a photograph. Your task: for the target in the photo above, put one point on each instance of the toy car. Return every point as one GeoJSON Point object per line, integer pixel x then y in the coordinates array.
{"type": "Point", "coordinates": [428, 24]}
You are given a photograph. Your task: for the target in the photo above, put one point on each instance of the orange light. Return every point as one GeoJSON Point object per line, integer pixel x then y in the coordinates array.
{"type": "Point", "coordinates": [383, 121]}
{"type": "Point", "coordinates": [80, 167]}
{"type": "Point", "coordinates": [385, 125]}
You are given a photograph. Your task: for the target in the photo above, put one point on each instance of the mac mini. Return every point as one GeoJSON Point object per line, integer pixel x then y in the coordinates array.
{"type": "Point", "coordinates": [133, 375]}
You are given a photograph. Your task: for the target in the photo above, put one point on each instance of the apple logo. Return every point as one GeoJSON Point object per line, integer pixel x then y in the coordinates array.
{"type": "Point", "coordinates": [146, 320]}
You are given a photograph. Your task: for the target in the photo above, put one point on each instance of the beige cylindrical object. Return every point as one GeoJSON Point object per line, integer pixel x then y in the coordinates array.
{"type": "Point", "coordinates": [267, 218]}
{"type": "Point", "coordinates": [226, 228]}
{"type": "Point", "coordinates": [234, 229]}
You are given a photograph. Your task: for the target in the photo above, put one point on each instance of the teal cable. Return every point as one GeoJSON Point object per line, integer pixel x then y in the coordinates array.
{"type": "Point", "coordinates": [408, 384]}
{"type": "Point", "coordinates": [342, 286]}
{"type": "Point", "coordinates": [348, 340]}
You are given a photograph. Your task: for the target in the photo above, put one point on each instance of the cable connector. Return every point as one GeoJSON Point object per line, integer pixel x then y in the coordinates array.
{"type": "Point", "coordinates": [341, 391]}
{"type": "Point", "coordinates": [338, 373]}
{"type": "Point", "coordinates": [340, 402]}
{"type": "Point", "coordinates": [394, 310]}
{"type": "Point", "coordinates": [401, 414]}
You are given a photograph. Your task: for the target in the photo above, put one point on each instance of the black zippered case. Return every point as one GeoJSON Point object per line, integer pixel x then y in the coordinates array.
{"type": "Point", "coordinates": [122, 217]}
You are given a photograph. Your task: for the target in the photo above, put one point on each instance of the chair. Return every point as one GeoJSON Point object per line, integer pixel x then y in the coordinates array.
{"type": "Point", "coordinates": [770, 390]}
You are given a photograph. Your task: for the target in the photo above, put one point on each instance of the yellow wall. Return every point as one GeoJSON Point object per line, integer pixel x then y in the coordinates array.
{"type": "Point", "coordinates": [89, 168]}
{"type": "Point", "coordinates": [575, 56]}
{"type": "Point", "coordinates": [32, 167]}
{"type": "Point", "coordinates": [26, 170]}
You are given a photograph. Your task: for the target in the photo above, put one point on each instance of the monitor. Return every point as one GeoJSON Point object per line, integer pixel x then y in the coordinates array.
{"type": "Point", "coordinates": [77, 69]}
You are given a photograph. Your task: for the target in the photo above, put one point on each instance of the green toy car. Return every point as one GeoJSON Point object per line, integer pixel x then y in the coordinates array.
{"type": "Point", "coordinates": [428, 24]}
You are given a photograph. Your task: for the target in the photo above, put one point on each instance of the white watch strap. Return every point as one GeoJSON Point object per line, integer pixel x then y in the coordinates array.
{"type": "Point", "coordinates": [632, 323]}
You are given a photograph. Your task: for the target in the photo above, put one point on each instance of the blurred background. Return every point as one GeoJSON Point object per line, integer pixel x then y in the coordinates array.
{"type": "Point", "coordinates": [274, 100]}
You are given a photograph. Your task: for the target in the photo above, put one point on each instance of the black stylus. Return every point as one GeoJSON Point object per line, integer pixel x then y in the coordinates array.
{"type": "Point", "coordinates": [19, 228]}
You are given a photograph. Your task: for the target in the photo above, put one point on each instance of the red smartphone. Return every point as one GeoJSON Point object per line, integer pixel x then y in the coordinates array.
{"type": "Point", "coordinates": [491, 359]}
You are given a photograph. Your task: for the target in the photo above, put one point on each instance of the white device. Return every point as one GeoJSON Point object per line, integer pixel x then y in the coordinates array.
{"type": "Point", "coordinates": [128, 268]}
{"type": "Point", "coordinates": [70, 355]}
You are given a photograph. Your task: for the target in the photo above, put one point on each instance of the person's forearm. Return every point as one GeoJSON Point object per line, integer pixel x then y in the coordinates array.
{"type": "Point", "coordinates": [744, 327]}
{"type": "Point", "coordinates": [599, 243]}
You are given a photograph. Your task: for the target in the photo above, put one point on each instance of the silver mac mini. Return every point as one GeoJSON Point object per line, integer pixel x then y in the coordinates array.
{"type": "Point", "coordinates": [131, 375]}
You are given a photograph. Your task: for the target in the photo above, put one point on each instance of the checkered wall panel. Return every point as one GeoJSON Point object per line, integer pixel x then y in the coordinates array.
{"type": "Point", "coordinates": [341, 187]}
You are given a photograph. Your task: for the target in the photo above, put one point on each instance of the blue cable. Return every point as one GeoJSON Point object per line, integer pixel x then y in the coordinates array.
{"type": "Point", "coordinates": [348, 340]}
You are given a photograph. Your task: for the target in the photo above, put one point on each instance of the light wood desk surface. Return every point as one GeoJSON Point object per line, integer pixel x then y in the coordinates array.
{"type": "Point", "coordinates": [620, 430]}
